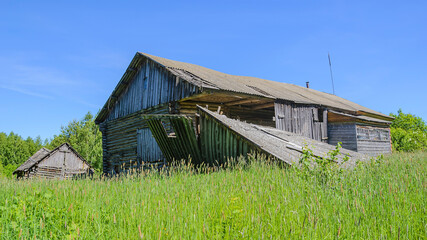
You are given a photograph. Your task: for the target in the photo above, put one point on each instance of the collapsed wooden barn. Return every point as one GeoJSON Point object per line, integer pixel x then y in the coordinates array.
{"type": "Point", "coordinates": [61, 163]}
{"type": "Point", "coordinates": [157, 86]}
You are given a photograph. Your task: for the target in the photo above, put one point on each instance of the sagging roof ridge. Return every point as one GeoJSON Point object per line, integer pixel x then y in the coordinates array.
{"type": "Point", "coordinates": [245, 82]}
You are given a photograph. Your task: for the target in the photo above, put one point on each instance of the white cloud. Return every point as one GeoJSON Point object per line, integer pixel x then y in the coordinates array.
{"type": "Point", "coordinates": [26, 92]}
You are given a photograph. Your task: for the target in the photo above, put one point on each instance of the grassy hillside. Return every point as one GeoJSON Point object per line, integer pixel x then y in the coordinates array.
{"type": "Point", "coordinates": [379, 200]}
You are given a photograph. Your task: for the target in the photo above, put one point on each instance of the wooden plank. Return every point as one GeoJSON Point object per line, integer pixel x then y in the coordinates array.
{"type": "Point", "coordinates": [261, 106]}
{"type": "Point", "coordinates": [242, 101]}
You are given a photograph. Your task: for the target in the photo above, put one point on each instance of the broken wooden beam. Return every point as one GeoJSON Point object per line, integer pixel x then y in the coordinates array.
{"type": "Point", "coordinates": [261, 106]}
{"type": "Point", "coordinates": [241, 101]}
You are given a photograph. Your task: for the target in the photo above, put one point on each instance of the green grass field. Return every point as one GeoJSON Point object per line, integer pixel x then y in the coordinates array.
{"type": "Point", "coordinates": [385, 200]}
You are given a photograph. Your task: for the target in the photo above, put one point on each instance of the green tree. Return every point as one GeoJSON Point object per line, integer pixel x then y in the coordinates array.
{"type": "Point", "coordinates": [85, 137]}
{"type": "Point", "coordinates": [408, 132]}
{"type": "Point", "coordinates": [14, 151]}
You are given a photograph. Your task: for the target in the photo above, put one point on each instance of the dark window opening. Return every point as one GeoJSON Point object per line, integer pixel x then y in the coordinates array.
{"type": "Point", "coordinates": [320, 114]}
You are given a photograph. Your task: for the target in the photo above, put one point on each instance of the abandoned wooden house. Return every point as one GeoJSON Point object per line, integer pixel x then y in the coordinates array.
{"type": "Point", "coordinates": [63, 162]}
{"type": "Point", "coordinates": [154, 88]}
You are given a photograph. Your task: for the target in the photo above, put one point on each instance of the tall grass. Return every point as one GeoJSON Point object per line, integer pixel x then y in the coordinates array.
{"type": "Point", "coordinates": [380, 200]}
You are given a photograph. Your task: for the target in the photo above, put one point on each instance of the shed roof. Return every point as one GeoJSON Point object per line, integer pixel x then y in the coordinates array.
{"type": "Point", "coordinates": [43, 154]}
{"type": "Point", "coordinates": [283, 145]}
{"type": "Point", "coordinates": [361, 118]}
{"type": "Point", "coordinates": [212, 79]}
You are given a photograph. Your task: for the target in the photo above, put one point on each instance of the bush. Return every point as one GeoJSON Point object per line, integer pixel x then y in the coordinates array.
{"type": "Point", "coordinates": [408, 132]}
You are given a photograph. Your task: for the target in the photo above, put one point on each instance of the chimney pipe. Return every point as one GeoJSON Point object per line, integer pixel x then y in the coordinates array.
{"type": "Point", "coordinates": [307, 84]}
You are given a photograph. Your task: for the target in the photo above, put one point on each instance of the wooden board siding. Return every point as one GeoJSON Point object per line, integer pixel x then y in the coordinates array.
{"type": "Point", "coordinates": [147, 148]}
{"type": "Point", "coordinates": [373, 140]}
{"type": "Point", "coordinates": [344, 133]}
{"type": "Point", "coordinates": [62, 164]}
{"type": "Point", "coordinates": [119, 139]}
{"type": "Point", "coordinates": [153, 85]}
{"type": "Point", "coordinates": [308, 121]}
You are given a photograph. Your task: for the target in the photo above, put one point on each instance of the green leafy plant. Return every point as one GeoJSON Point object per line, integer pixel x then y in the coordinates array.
{"type": "Point", "coordinates": [408, 132]}
{"type": "Point", "coordinates": [324, 169]}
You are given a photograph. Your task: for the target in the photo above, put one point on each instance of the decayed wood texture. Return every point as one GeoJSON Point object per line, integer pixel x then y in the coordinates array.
{"type": "Point", "coordinates": [63, 162]}
{"type": "Point", "coordinates": [219, 143]}
{"type": "Point", "coordinates": [262, 116]}
{"type": "Point", "coordinates": [119, 141]}
{"type": "Point", "coordinates": [182, 143]}
{"type": "Point", "coordinates": [373, 140]}
{"type": "Point", "coordinates": [344, 133]}
{"type": "Point", "coordinates": [309, 121]}
{"type": "Point", "coordinates": [147, 147]}
{"type": "Point", "coordinates": [205, 78]}
{"type": "Point", "coordinates": [151, 86]}
{"type": "Point", "coordinates": [223, 138]}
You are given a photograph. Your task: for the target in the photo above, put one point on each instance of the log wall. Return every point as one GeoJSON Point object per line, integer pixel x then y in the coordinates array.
{"type": "Point", "coordinates": [344, 133]}
{"type": "Point", "coordinates": [120, 141]}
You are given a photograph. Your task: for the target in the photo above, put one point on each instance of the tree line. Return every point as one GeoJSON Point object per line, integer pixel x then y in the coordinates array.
{"type": "Point", "coordinates": [83, 135]}
{"type": "Point", "coordinates": [408, 133]}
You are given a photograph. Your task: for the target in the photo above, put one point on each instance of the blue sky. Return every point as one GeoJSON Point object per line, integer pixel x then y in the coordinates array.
{"type": "Point", "coordinates": [59, 60]}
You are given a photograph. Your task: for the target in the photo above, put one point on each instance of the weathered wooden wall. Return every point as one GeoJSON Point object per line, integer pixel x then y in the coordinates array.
{"type": "Point", "coordinates": [373, 140]}
{"type": "Point", "coordinates": [153, 85]}
{"type": "Point", "coordinates": [120, 141]}
{"type": "Point", "coordinates": [363, 138]}
{"type": "Point", "coordinates": [344, 133]}
{"type": "Point", "coordinates": [62, 164]}
{"type": "Point", "coordinates": [309, 121]}
{"type": "Point", "coordinates": [147, 147]}
{"type": "Point", "coordinates": [126, 139]}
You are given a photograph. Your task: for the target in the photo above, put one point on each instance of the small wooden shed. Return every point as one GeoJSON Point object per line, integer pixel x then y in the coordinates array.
{"type": "Point", "coordinates": [63, 162]}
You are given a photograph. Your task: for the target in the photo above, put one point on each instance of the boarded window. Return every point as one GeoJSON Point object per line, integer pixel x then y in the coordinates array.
{"type": "Point", "coordinates": [372, 133]}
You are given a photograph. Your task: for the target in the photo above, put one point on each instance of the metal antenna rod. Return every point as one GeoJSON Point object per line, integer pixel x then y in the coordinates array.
{"type": "Point", "coordinates": [332, 77]}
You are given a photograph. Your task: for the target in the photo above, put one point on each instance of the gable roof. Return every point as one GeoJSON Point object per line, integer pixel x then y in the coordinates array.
{"type": "Point", "coordinates": [43, 154]}
{"type": "Point", "coordinates": [210, 79]}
